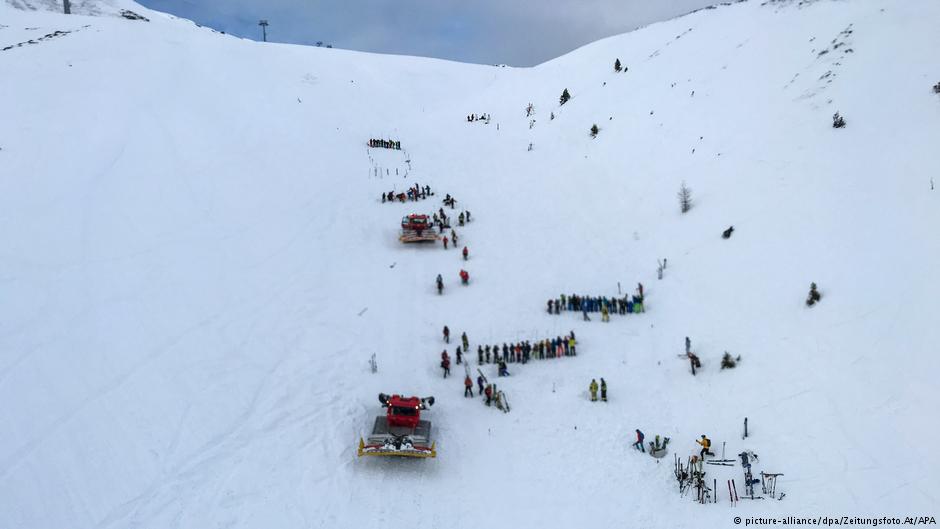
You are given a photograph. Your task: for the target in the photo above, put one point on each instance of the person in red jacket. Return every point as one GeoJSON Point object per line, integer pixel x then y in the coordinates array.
{"type": "Point", "coordinates": [468, 387]}
{"type": "Point", "coordinates": [445, 363]}
{"type": "Point", "coordinates": [464, 277]}
{"type": "Point", "coordinates": [445, 242]}
{"type": "Point", "coordinates": [465, 253]}
{"type": "Point", "coordinates": [488, 392]}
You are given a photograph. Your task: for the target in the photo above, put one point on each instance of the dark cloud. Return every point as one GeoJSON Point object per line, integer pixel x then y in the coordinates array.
{"type": "Point", "coordinates": [515, 32]}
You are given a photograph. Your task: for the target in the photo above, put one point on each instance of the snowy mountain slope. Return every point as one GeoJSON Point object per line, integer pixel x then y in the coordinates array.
{"type": "Point", "coordinates": [196, 267]}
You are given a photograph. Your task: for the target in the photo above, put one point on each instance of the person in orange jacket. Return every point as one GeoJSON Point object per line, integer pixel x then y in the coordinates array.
{"type": "Point", "coordinates": [706, 445]}
{"type": "Point", "coordinates": [468, 387]}
{"type": "Point", "coordinates": [465, 253]}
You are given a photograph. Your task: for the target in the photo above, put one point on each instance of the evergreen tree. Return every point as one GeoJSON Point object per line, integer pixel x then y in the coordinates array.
{"type": "Point", "coordinates": [685, 198]}
{"type": "Point", "coordinates": [617, 66]}
{"type": "Point", "coordinates": [565, 96]}
{"type": "Point", "coordinates": [838, 121]}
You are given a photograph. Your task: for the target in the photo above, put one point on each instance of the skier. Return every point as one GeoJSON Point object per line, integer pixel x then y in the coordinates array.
{"type": "Point", "coordinates": [465, 341]}
{"type": "Point", "coordinates": [727, 233]}
{"type": "Point", "coordinates": [639, 441]}
{"type": "Point", "coordinates": [605, 314]}
{"type": "Point", "coordinates": [446, 332]}
{"type": "Point", "coordinates": [571, 344]}
{"type": "Point", "coordinates": [445, 242]}
{"type": "Point", "coordinates": [453, 237]}
{"type": "Point", "coordinates": [584, 312]}
{"type": "Point", "coordinates": [460, 219]}
{"type": "Point", "coordinates": [480, 384]}
{"type": "Point", "coordinates": [603, 389]}
{"type": "Point", "coordinates": [459, 356]}
{"type": "Point", "coordinates": [706, 444]}
{"type": "Point", "coordinates": [465, 253]}
{"type": "Point", "coordinates": [489, 394]}
{"type": "Point", "coordinates": [440, 284]}
{"type": "Point", "coordinates": [464, 277]}
{"type": "Point", "coordinates": [593, 389]}
{"type": "Point", "coordinates": [468, 215]}
{"type": "Point", "coordinates": [468, 387]}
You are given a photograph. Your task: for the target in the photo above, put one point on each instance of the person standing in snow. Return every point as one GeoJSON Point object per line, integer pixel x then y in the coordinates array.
{"type": "Point", "coordinates": [468, 387]}
{"type": "Point", "coordinates": [466, 253]}
{"type": "Point", "coordinates": [465, 341]}
{"type": "Point", "coordinates": [603, 390]}
{"type": "Point", "coordinates": [593, 389]}
{"type": "Point", "coordinates": [488, 392]}
{"type": "Point", "coordinates": [639, 441]}
{"type": "Point", "coordinates": [459, 356]}
{"type": "Point", "coordinates": [445, 363]}
{"type": "Point", "coordinates": [503, 371]}
{"type": "Point", "coordinates": [440, 284]}
{"type": "Point", "coordinates": [445, 242]}
{"type": "Point", "coordinates": [605, 315]}
{"type": "Point", "coordinates": [480, 384]}
{"type": "Point", "coordinates": [571, 344]}
{"type": "Point", "coordinates": [706, 445]}
{"type": "Point", "coordinates": [446, 332]}
{"type": "Point", "coordinates": [464, 277]}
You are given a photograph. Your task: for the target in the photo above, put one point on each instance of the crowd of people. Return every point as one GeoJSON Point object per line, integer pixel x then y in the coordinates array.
{"type": "Point", "coordinates": [605, 305]}
{"type": "Point", "coordinates": [385, 144]}
{"type": "Point", "coordinates": [413, 193]}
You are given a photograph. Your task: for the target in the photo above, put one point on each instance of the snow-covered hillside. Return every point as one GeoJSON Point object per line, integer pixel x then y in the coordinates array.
{"type": "Point", "coordinates": [195, 267]}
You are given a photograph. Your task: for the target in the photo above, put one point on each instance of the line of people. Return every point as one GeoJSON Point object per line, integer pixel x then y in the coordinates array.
{"type": "Point", "coordinates": [605, 305]}
{"type": "Point", "coordinates": [522, 352]}
{"type": "Point", "coordinates": [385, 144]}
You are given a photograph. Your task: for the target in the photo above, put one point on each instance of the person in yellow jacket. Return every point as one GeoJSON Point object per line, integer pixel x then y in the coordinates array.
{"type": "Point", "coordinates": [593, 388]}
{"type": "Point", "coordinates": [706, 445]}
{"type": "Point", "coordinates": [605, 314]}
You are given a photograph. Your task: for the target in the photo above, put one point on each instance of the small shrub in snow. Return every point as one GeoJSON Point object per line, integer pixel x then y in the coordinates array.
{"type": "Point", "coordinates": [729, 362]}
{"type": "Point", "coordinates": [814, 295]}
{"type": "Point", "coordinates": [838, 121]}
{"type": "Point", "coordinates": [617, 66]}
{"type": "Point", "coordinates": [565, 96]}
{"type": "Point", "coordinates": [594, 130]}
{"type": "Point", "coordinates": [685, 198]}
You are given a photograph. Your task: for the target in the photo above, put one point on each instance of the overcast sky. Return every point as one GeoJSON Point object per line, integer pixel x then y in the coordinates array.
{"type": "Point", "coordinates": [514, 32]}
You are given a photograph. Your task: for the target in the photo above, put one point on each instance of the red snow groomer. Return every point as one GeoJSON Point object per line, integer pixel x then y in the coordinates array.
{"type": "Point", "coordinates": [417, 228]}
{"type": "Point", "coordinates": [401, 432]}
